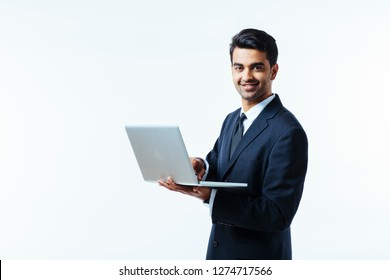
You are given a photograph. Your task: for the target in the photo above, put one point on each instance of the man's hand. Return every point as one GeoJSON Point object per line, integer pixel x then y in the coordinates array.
{"type": "Point", "coordinates": [199, 167]}
{"type": "Point", "coordinates": [203, 193]}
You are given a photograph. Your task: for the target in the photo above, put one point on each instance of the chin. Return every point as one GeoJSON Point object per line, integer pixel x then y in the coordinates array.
{"type": "Point", "coordinates": [249, 95]}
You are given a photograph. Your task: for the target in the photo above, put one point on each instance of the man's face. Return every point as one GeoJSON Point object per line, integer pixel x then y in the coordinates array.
{"type": "Point", "coordinates": [252, 75]}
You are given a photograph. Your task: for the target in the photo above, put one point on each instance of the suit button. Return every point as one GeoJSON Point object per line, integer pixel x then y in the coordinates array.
{"type": "Point", "coordinates": [215, 244]}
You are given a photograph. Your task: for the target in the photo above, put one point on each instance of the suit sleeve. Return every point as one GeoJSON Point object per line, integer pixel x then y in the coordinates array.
{"type": "Point", "coordinates": [275, 206]}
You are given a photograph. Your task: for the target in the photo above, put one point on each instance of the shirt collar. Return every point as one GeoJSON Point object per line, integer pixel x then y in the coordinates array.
{"type": "Point", "coordinates": [255, 111]}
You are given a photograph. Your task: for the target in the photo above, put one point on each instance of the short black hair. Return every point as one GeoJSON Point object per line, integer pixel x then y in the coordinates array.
{"type": "Point", "coordinates": [255, 39]}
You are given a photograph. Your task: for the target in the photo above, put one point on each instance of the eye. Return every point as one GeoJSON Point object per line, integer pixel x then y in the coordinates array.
{"type": "Point", "coordinates": [238, 67]}
{"type": "Point", "coordinates": [258, 67]}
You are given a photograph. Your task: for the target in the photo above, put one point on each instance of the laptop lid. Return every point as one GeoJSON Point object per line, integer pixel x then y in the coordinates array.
{"type": "Point", "coordinates": [160, 153]}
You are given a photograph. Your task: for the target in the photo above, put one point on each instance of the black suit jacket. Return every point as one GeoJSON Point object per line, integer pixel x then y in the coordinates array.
{"type": "Point", "coordinates": [254, 222]}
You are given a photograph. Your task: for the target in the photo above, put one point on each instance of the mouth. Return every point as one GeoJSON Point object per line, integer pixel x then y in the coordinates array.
{"type": "Point", "coordinates": [249, 86]}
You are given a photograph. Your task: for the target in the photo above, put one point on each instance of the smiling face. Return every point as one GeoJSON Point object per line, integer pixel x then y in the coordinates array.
{"type": "Point", "coordinates": [252, 76]}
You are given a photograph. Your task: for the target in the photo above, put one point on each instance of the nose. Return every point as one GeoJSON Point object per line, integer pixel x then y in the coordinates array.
{"type": "Point", "coordinates": [246, 75]}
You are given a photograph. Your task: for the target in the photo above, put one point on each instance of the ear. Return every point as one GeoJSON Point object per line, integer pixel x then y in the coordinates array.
{"type": "Point", "coordinates": [274, 71]}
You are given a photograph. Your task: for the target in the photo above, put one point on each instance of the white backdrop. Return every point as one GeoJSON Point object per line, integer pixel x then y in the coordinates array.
{"type": "Point", "coordinates": [74, 73]}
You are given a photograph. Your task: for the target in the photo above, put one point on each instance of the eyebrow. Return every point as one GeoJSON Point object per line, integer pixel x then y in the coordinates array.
{"type": "Point", "coordinates": [258, 64]}
{"type": "Point", "coordinates": [252, 65]}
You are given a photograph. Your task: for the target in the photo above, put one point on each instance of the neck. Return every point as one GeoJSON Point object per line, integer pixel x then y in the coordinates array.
{"type": "Point", "coordinates": [248, 104]}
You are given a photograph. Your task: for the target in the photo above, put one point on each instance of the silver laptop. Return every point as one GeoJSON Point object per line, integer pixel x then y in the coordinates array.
{"type": "Point", "coordinates": [160, 152]}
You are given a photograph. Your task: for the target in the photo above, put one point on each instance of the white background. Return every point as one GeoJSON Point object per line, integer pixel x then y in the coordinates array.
{"type": "Point", "coordinates": [74, 73]}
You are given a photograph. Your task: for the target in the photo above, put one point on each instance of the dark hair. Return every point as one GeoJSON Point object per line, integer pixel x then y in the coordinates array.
{"type": "Point", "coordinates": [258, 40]}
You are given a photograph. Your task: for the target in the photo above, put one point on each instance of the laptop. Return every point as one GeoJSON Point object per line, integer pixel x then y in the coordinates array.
{"type": "Point", "coordinates": [161, 153]}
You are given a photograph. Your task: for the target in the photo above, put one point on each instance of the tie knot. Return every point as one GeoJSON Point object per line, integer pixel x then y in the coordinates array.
{"type": "Point", "coordinates": [242, 118]}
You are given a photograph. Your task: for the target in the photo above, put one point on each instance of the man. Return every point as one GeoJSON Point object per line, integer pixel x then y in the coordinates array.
{"type": "Point", "coordinates": [271, 157]}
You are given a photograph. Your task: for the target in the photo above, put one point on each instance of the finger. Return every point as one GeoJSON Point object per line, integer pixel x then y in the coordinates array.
{"type": "Point", "coordinates": [200, 175]}
{"type": "Point", "coordinates": [169, 184]}
{"type": "Point", "coordinates": [161, 183]}
{"type": "Point", "coordinates": [164, 184]}
{"type": "Point", "coordinates": [176, 187]}
{"type": "Point", "coordinates": [197, 165]}
{"type": "Point", "coordinates": [195, 190]}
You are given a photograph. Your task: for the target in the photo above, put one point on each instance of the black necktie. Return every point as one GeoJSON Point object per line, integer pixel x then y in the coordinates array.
{"type": "Point", "coordinates": [237, 133]}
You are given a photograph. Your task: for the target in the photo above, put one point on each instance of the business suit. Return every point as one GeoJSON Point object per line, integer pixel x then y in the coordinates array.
{"type": "Point", "coordinates": [254, 222]}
